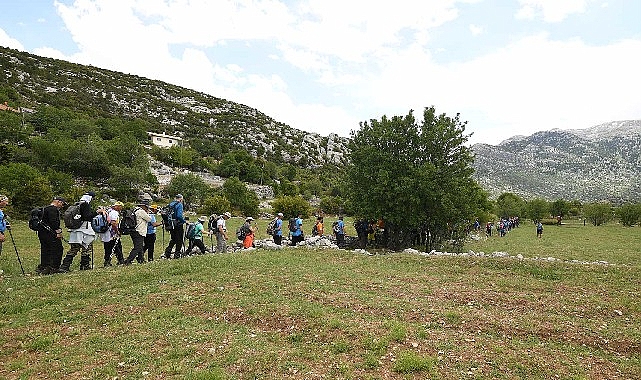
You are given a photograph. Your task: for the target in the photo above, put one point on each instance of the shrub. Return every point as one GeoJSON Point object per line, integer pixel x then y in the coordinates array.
{"type": "Point", "coordinates": [291, 206]}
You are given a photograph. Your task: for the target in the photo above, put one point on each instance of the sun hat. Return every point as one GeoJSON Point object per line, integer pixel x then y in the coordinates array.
{"type": "Point", "coordinates": [227, 214]}
{"type": "Point", "coordinates": [61, 199]}
{"type": "Point", "coordinates": [202, 218]}
{"type": "Point", "coordinates": [118, 203]}
{"type": "Point", "coordinates": [250, 219]}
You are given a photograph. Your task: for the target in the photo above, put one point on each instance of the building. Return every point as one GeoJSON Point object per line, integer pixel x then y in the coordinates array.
{"type": "Point", "coordinates": [163, 140]}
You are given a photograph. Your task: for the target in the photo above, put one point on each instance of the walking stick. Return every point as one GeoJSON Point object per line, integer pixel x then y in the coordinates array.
{"type": "Point", "coordinates": [92, 255]}
{"type": "Point", "coordinates": [16, 249]}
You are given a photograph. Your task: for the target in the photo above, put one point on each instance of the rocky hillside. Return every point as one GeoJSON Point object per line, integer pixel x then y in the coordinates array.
{"type": "Point", "coordinates": [598, 163]}
{"type": "Point", "coordinates": [171, 109]}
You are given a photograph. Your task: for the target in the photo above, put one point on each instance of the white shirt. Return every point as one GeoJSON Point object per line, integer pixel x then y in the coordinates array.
{"type": "Point", "coordinates": [112, 215]}
{"type": "Point", "coordinates": [219, 223]}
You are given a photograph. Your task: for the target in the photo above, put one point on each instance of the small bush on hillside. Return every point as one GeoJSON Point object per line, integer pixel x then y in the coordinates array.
{"type": "Point", "coordinates": [291, 206]}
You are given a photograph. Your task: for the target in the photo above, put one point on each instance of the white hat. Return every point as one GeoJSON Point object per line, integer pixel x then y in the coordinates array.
{"type": "Point", "coordinates": [227, 214]}
{"type": "Point", "coordinates": [202, 219]}
{"type": "Point", "coordinates": [249, 218]}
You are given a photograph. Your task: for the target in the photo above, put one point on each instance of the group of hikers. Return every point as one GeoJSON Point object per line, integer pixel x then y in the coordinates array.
{"type": "Point", "coordinates": [109, 224]}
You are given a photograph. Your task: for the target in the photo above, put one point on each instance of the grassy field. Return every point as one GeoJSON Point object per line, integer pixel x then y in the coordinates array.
{"type": "Point", "coordinates": [307, 314]}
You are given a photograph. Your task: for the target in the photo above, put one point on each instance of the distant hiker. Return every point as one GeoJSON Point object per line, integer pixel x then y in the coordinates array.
{"type": "Point", "coordinates": [539, 229]}
{"type": "Point", "coordinates": [178, 231]}
{"type": "Point", "coordinates": [4, 225]}
{"type": "Point", "coordinates": [488, 229]}
{"type": "Point", "coordinates": [248, 232]}
{"type": "Point", "coordinates": [339, 232]}
{"type": "Point", "coordinates": [318, 230]}
{"type": "Point", "coordinates": [196, 239]}
{"type": "Point", "coordinates": [297, 230]}
{"type": "Point", "coordinates": [371, 233]}
{"type": "Point", "coordinates": [50, 237]}
{"type": "Point", "coordinates": [111, 238]}
{"type": "Point", "coordinates": [138, 235]}
{"type": "Point", "coordinates": [278, 229]}
{"type": "Point", "coordinates": [361, 227]}
{"type": "Point", "coordinates": [221, 233]}
{"type": "Point", "coordinates": [80, 237]}
{"type": "Point", "coordinates": [150, 238]}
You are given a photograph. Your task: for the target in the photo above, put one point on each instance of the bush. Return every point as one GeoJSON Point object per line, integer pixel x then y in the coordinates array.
{"type": "Point", "coordinates": [291, 206]}
{"type": "Point", "coordinates": [215, 205]}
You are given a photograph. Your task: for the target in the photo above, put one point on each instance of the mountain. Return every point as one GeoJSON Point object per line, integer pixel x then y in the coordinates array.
{"type": "Point", "coordinates": [598, 163]}
{"type": "Point", "coordinates": [169, 108]}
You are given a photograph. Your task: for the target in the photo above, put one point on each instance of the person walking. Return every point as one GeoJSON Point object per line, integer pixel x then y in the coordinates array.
{"type": "Point", "coordinates": [339, 231]}
{"type": "Point", "coordinates": [81, 239]}
{"type": "Point", "coordinates": [249, 232]}
{"type": "Point", "coordinates": [278, 229]}
{"type": "Point", "coordinates": [221, 233]}
{"type": "Point", "coordinates": [539, 229]}
{"type": "Point", "coordinates": [297, 234]}
{"type": "Point", "coordinates": [111, 238]}
{"type": "Point", "coordinates": [150, 238]}
{"type": "Point", "coordinates": [138, 235]}
{"type": "Point", "coordinates": [4, 225]}
{"type": "Point", "coordinates": [176, 207]}
{"type": "Point", "coordinates": [196, 242]}
{"type": "Point", "coordinates": [50, 238]}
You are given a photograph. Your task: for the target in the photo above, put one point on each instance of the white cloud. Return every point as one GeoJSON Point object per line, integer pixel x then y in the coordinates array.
{"type": "Point", "coordinates": [551, 10]}
{"type": "Point", "coordinates": [9, 42]}
{"type": "Point", "coordinates": [532, 84]}
{"type": "Point", "coordinates": [476, 30]}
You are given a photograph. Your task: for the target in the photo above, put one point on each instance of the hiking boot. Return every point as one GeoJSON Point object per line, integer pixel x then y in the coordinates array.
{"type": "Point", "coordinates": [85, 263]}
{"type": "Point", "coordinates": [66, 264]}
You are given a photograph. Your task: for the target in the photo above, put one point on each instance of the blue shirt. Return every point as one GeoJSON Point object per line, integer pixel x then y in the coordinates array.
{"type": "Point", "coordinates": [341, 227]}
{"type": "Point", "coordinates": [299, 225]}
{"type": "Point", "coordinates": [3, 222]}
{"type": "Point", "coordinates": [150, 225]}
{"type": "Point", "coordinates": [279, 227]}
{"type": "Point", "coordinates": [179, 211]}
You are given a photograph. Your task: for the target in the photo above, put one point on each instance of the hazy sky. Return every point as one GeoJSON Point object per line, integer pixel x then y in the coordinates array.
{"type": "Point", "coordinates": [508, 67]}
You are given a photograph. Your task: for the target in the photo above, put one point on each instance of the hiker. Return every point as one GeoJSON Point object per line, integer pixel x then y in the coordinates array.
{"type": "Point", "coordinates": [221, 233]}
{"type": "Point", "coordinates": [111, 238]}
{"type": "Point", "coordinates": [50, 237]}
{"type": "Point", "coordinates": [317, 230]}
{"type": "Point", "coordinates": [539, 229]}
{"type": "Point", "coordinates": [249, 232]}
{"type": "Point", "coordinates": [150, 238]}
{"type": "Point", "coordinates": [138, 235]}
{"type": "Point", "coordinates": [178, 229]}
{"type": "Point", "coordinates": [196, 241]}
{"type": "Point", "coordinates": [361, 231]}
{"type": "Point", "coordinates": [278, 229]}
{"type": "Point", "coordinates": [339, 232]}
{"type": "Point", "coordinates": [297, 233]}
{"type": "Point", "coordinates": [81, 238]}
{"type": "Point", "coordinates": [4, 225]}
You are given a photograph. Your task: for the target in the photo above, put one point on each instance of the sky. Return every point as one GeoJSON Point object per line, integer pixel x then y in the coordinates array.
{"type": "Point", "coordinates": [509, 67]}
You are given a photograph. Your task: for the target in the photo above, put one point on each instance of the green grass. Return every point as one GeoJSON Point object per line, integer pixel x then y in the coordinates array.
{"type": "Point", "coordinates": [302, 313]}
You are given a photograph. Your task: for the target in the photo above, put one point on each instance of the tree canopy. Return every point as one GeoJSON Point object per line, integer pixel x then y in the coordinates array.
{"type": "Point", "coordinates": [417, 176]}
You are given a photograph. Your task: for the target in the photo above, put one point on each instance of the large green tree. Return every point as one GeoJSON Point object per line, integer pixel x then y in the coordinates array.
{"type": "Point", "coordinates": [417, 176]}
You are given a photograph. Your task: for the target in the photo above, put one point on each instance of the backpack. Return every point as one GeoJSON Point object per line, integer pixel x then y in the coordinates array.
{"type": "Point", "coordinates": [292, 225]}
{"type": "Point", "coordinates": [315, 230]}
{"type": "Point", "coordinates": [127, 224]}
{"type": "Point", "coordinates": [168, 215]}
{"type": "Point", "coordinates": [190, 231]}
{"type": "Point", "coordinates": [99, 223]}
{"type": "Point", "coordinates": [72, 216]}
{"type": "Point", "coordinates": [213, 223]}
{"type": "Point", "coordinates": [335, 227]}
{"type": "Point", "coordinates": [35, 218]}
{"type": "Point", "coordinates": [241, 232]}
{"type": "Point", "coordinates": [271, 227]}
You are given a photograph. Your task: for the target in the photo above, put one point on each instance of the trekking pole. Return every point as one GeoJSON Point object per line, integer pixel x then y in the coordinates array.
{"type": "Point", "coordinates": [92, 255]}
{"type": "Point", "coordinates": [16, 249]}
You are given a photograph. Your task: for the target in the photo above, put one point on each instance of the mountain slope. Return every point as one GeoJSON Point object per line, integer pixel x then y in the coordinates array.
{"type": "Point", "coordinates": [598, 163]}
{"type": "Point", "coordinates": [169, 108]}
